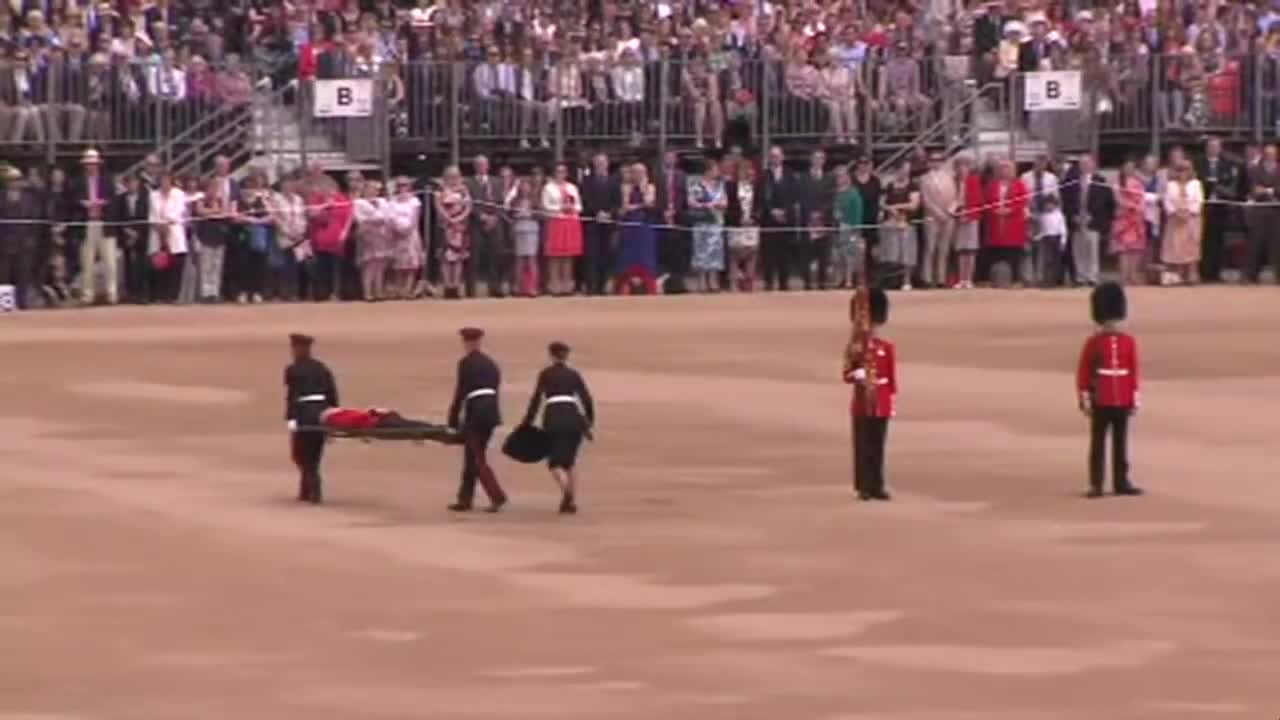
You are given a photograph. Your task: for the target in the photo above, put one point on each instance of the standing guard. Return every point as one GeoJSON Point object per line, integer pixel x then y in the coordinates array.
{"type": "Point", "coordinates": [475, 413]}
{"type": "Point", "coordinates": [309, 391]}
{"type": "Point", "coordinates": [1107, 389]}
{"type": "Point", "coordinates": [870, 365]}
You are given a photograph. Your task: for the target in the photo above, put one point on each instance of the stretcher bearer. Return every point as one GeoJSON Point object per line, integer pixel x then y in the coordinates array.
{"type": "Point", "coordinates": [568, 414]}
{"type": "Point", "coordinates": [309, 391]}
{"type": "Point", "coordinates": [1107, 389]}
{"type": "Point", "coordinates": [872, 369]}
{"type": "Point", "coordinates": [475, 413]}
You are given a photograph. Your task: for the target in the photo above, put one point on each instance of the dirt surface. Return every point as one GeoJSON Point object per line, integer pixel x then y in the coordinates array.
{"type": "Point", "coordinates": [154, 566]}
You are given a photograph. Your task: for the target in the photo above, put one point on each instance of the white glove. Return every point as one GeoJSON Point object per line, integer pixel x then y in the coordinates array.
{"type": "Point", "coordinates": [860, 375]}
{"type": "Point", "coordinates": [292, 425]}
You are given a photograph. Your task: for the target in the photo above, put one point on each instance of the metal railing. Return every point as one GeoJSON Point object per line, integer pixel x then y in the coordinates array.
{"type": "Point", "coordinates": [886, 107]}
{"type": "Point", "coordinates": [134, 106]}
{"type": "Point", "coordinates": [680, 103]}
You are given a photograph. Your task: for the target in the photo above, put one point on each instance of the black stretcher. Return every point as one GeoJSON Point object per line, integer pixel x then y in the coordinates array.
{"type": "Point", "coordinates": [417, 433]}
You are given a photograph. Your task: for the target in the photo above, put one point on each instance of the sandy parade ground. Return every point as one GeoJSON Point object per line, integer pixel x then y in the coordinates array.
{"type": "Point", "coordinates": [154, 566]}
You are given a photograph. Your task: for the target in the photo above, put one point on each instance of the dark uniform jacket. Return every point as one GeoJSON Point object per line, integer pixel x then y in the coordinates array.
{"type": "Point", "coordinates": [305, 378]}
{"type": "Point", "coordinates": [776, 193]}
{"type": "Point", "coordinates": [561, 381]}
{"type": "Point", "coordinates": [21, 238]}
{"type": "Point", "coordinates": [1096, 199]}
{"type": "Point", "coordinates": [135, 217]}
{"type": "Point", "coordinates": [476, 372]}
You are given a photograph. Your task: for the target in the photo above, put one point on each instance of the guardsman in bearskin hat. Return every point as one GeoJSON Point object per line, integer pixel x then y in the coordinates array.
{"type": "Point", "coordinates": [871, 367]}
{"type": "Point", "coordinates": [309, 391]}
{"type": "Point", "coordinates": [1107, 389]}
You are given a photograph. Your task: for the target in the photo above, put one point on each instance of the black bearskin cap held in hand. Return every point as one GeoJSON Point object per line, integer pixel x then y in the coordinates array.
{"type": "Point", "coordinates": [527, 444]}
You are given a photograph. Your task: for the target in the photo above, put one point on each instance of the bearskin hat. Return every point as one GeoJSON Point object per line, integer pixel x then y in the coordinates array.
{"type": "Point", "coordinates": [527, 444]}
{"type": "Point", "coordinates": [879, 306]}
{"type": "Point", "coordinates": [1107, 303]}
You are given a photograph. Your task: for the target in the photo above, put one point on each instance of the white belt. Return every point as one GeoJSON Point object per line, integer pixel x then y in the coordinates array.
{"type": "Point", "coordinates": [554, 399]}
{"type": "Point", "coordinates": [313, 398]}
{"type": "Point", "coordinates": [481, 393]}
{"type": "Point", "coordinates": [1121, 372]}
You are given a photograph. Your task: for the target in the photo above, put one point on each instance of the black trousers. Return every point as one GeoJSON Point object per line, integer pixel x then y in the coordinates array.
{"type": "Point", "coordinates": [1217, 217]}
{"type": "Point", "coordinates": [1113, 420]}
{"type": "Point", "coordinates": [326, 276]}
{"type": "Point", "coordinates": [820, 252]}
{"type": "Point", "coordinates": [869, 435]}
{"type": "Point", "coordinates": [488, 262]}
{"type": "Point", "coordinates": [675, 250]}
{"type": "Point", "coordinates": [245, 271]}
{"type": "Point", "coordinates": [137, 273]}
{"type": "Point", "coordinates": [165, 284]}
{"type": "Point", "coordinates": [1051, 261]}
{"type": "Point", "coordinates": [1263, 248]}
{"type": "Point", "coordinates": [308, 451]}
{"type": "Point", "coordinates": [475, 466]}
{"type": "Point", "coordinates": [800, 257]}
{"type": "Point", "coordinates": [1009, 256]}
{"type": "Point", "coordinates": [775, 258]}
{"type": "Point", "coordinates": [597, 258]}
{"type": "Point", "coordinates": [18, 268]}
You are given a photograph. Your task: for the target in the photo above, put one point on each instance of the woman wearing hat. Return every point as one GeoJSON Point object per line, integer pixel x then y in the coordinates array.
{"type": "Point", "coordinates": [568, 414]}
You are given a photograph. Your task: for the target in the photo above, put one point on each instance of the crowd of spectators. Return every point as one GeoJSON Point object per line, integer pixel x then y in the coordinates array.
{"type": "Point", "coordinates": [1194, 63]}
{"type": "Point", "coordinates": [72, 70]}
{"type": "Point", "coordinates": [618, 226]}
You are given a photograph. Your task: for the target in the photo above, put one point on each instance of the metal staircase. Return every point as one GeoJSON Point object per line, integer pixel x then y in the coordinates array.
{"type": "Point", "coordinates": [983, 123]}
{"type": "Point", "coordinates": [270, 134]}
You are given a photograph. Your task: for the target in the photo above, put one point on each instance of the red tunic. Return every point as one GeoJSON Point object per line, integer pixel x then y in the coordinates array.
{"type": "Point", "coordinates": [1108, 370]}
{"type": "Point", "coordinates": [349, 419]}
{"type": "Point", "coordinates": [886, 381]}
{"type": "Point", "coordinates": [974, 197]}
{"type": "Point", "coordinates": [1007, 229]}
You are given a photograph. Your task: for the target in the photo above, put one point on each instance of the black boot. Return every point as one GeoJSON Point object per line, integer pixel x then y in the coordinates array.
{"type": "Point", "coordinates": [1094, 492]}
{"type": "Point", "coordinates": [567, 505]}
{"type": "Point", "coordinates": [460, 506]}
{"type": "Point", "coordinates": [1126, 489]}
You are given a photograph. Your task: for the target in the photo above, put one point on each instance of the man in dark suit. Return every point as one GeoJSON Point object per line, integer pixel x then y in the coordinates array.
{"type": "Point", "coordinates": [601, 201]}
{"type": "Point", "coordinates": [779, 207]}
{"type": "Point", "coordinates": [20, 247]}
{"type": "Point", "coordinates": [1221, 180]}
{"type": "Point", "coordinates": [674, 249]}
{"type": "Point", "coordinates": [1263, 182]}
{"type": "Point", "coordinates": [1089, 203]}
{"type": "Point", "coordinates": [129, 213]}
{"type": "Point", "coordinates": [487, 237]}
{"type": "Point", "coordinates": [816, 190]}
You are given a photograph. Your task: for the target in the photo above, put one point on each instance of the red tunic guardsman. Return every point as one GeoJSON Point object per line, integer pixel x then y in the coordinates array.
{"type": "Point", "coordinates": [1107, 389]}
{"type": "Point", "coordinates": [871, 367]}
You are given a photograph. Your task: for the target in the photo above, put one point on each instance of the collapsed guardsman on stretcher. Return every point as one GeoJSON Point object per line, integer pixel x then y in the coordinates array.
{"type": "Point", "coordinates": [313, 414]}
